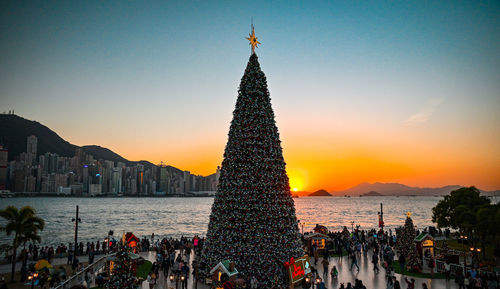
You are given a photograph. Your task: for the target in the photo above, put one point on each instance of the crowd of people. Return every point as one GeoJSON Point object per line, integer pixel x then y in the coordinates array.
{"type": "Point", "coordinates": [174, 256]}
{"type": "Point", "coordinates": [381, 247]}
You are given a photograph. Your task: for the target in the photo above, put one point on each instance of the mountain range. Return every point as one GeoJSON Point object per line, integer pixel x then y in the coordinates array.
{"type": "Point", "coordinates": [14, 131]}
{"type": "Point", "coordinates": [396, 189]}
{"type": "Point", "coordinates": [390, 189]}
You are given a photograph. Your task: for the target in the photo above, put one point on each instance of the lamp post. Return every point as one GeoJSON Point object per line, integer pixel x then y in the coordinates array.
{"type": "Point", "coordinates": [463, 238]}
{"type": "Point", "coordinates": [474, 251]}
{"type": "Point", "coordinates": [352, 226]}
{"type": "Point", "coordinates": [381, 218]}
{"type": "Point", "coordinates": [76, 220]}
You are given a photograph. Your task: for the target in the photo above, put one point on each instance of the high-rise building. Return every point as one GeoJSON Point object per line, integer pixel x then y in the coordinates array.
{"type": "Point", "coordinates": [31, 149]}
{"type": "Point", "coordinates": [187, 182]}
{"type": "Point", "coordinates": [4, 156]}
{"type": "Point", "coordinates": [163, 179]}
{"type": "Point", "coordinates": [117, 180]}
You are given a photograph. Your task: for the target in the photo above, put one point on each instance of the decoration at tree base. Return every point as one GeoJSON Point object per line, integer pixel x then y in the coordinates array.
{"type": "Point", "coordinates": [298, 269]}
{"type": "Point", "coordinates": [223, 272]}
{"type": "Point", "coordinates": [253, 220]}
{"type": "Point", "coordinates": [130, 240]}
{"type": "Point", "coordinates": [122, 272]}
{"type": "Point", "coordinates": [405, 245]}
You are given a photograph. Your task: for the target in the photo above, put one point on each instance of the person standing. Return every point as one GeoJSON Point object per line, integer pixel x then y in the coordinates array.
{"type": "Point", "coordinates": [396, 284]}
{"type": "Point", "coordinates": [354, 261]}
{"type": "Point", "coordinates": [185, 273]}
{"type": "Point", "coordinates": [70, 255]}
{"type": "Point", "coordinates": [402, 261]}
{"type": "Point", "coordinates": [339, 252]}
{"type": "Point", "coordinates": [432, 264]}
{"type": "Point", "coordinates": [321, 284]}
{"type": "Point", "coordinates": [411, 283]}
{"type": "Point", "coordinates": [390, 283]}
{"type": "Point", "coordinates": [325, 267]}
{"type": "Point", "coordinates": [375, 263]}
{"type": "Point", "coordinates": [447, 270]}
{"type": "Point", "coordinates": [334, 272]}
{"type": "Point", "coordinates": [460, 280]}
{"type": "Point", "coordinates": [150, 280]}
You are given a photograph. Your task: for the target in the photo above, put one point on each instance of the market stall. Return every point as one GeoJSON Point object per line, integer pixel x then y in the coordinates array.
{"type": "Point", "coordinates": [317, 239]}
{"type": "Point", "coordinates": [425, 245]}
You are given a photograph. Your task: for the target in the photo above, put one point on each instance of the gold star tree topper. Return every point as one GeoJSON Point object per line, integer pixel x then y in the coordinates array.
{"type": "Point", "coordinates": [253, 40]}
{"type": "Point", "coordinates": [408, 214]}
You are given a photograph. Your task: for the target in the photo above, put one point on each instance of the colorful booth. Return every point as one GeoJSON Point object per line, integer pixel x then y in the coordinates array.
{"type": "Point", "coordinates": [318, 239]}
{"type": "Point", "coordinates": [130, 240]}
{"type": "Point", "coordinates": [425, 245]}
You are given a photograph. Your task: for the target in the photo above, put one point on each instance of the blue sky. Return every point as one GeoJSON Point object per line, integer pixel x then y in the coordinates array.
{"type": "Point", "coordinates": [158, 80]}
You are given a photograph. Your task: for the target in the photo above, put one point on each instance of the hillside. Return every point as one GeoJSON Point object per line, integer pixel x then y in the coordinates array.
{"type": "Point", "coordinates": [320, 193]}
{"type": "Point", "coordinates": [14, 130]}
{"type": "Point", "coordinates": [395, 189]}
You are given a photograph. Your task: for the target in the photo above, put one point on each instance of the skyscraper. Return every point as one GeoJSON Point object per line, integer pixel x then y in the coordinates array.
{"type": "Point", "coordinates": [31, 149]}
{"type": "Point", "coordinates": [4, 155]}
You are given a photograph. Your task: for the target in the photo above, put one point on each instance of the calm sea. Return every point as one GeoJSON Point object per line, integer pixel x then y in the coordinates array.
{"type": "Point", "coordinates": [189, 216]}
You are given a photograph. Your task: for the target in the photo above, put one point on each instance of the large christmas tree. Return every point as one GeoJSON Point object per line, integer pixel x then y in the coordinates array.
{"type": "Point", "coordinates": [253, 220]}
{"type": "Point", "coordinates": [405, 244]}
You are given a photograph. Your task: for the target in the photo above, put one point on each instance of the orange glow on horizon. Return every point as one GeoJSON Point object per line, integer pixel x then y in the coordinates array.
{"type": "Point", "coordinates": [338, 163]}
{"type": "Point", "coordinates": [308, 171]}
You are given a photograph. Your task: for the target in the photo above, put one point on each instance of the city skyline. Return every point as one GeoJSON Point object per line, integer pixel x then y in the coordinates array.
{"type": "Point", "coordinates": [412, 99]}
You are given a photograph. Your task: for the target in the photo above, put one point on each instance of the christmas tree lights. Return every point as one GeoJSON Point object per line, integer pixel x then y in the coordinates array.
{"type": "Point", "coordinates": [253, 220]}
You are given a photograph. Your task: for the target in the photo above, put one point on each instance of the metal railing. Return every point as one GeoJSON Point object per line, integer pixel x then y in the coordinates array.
{"type": "Point", "coordinates": [79, 277]}
{"type": "Point", "coordinates": [453, 267]}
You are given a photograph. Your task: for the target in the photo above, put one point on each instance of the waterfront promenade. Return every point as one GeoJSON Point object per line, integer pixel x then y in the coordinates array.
{"type": "Point", "coordinates": [370, 279]}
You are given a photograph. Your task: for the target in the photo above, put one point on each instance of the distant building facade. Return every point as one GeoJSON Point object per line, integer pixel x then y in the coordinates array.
{"type": "Point", "coordinates": [84, 175]}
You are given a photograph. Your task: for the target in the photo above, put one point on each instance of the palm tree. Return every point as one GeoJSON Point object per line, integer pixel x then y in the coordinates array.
{"type": "Point", "coordinates": [24, 224]}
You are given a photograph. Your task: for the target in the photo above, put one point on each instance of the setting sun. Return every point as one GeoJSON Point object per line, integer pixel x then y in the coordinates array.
{"type": "Point", "coordinates": [297, 179]}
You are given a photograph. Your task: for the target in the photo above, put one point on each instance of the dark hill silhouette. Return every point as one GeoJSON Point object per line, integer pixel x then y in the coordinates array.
{"type": "Point", "coordinates": [395, 189]}
{"type": "Point", "coordinates": [320, 193]}
{"type": "Point", "coordinates": [104, 153]}
{"type": "Point", "coordinates": [14, 130]}
{"type": "Point", "coordinates": [372, 194]}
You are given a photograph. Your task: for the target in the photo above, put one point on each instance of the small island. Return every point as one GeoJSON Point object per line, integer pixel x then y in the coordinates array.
{"type": "Point", "coordinates": [372, 194]}
{"type": "Point", "coordinates": [320, 193]}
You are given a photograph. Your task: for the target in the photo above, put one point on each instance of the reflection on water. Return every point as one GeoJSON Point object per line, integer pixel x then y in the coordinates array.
{"type": "Point", "coordinates": [189, 216]}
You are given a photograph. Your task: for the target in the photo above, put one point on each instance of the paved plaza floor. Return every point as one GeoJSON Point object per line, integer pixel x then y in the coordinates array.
{"type": "Point", "coordinates": [370, 279]}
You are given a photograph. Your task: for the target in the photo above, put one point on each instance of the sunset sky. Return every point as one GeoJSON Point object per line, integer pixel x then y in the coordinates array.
{"type": "Point", "coordinates": [363, 91]}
